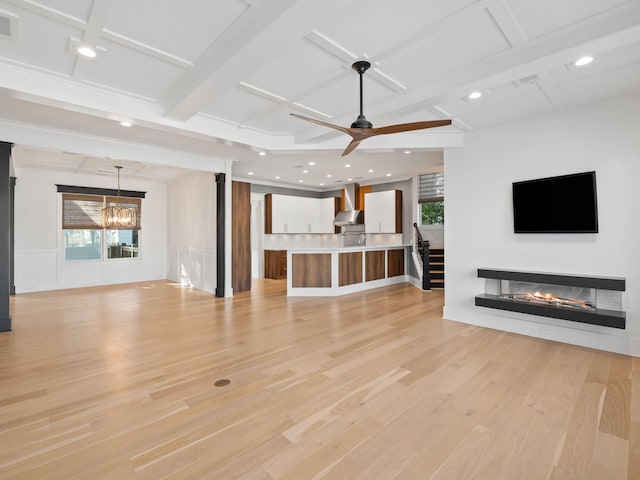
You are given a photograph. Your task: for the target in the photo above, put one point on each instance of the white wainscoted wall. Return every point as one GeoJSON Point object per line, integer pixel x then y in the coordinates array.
{"type": "Point", "coordinates": [191, 214]}
{"type": "Point", "coordinates": [479, 227]}
{"type": "Point", "coordinates": [39, 243]}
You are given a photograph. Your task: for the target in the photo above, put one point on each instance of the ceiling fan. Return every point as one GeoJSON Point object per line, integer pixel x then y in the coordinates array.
{"type": "Point", "coordinates": [362, 128]}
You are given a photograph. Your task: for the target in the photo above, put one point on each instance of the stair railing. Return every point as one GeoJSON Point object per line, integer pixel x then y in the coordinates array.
{"type": "Point", "coordinates": [423, 253]}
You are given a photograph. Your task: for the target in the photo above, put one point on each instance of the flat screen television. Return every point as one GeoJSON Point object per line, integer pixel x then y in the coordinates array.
{"type": "Point", "coordinates": [564, 204]}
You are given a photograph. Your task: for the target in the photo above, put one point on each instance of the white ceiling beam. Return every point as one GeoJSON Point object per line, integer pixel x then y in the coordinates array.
{"type": "Point", "coordinates": [66, 141]}
{"type": "Point", "coordinates": [145, 49]}
{"type": "Point", "coordinates": [267, 27]}
{"type": "Point", "coordinates": [332, 47]}
{"type": "Point", "coordinates": [49, 12]}
{"type": "Point", "coordinates": [92, 32]}
{"type": "Point", "coordinates": [549, 89]}
{"type": "Point", "coordinates": [505, 21]}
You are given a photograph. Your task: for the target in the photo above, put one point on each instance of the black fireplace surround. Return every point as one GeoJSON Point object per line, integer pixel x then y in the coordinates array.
{"type": "Point", "coordinates": [601, 307]}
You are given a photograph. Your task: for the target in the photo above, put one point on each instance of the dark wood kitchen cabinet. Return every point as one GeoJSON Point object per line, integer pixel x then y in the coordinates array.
{"type": "Point", "coordinates": [275, 264]}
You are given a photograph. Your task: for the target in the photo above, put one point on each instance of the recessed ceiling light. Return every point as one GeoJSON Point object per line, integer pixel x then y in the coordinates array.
{"type": "Point", "coordinates": [86, 51]}
{"type": "Point", "coordinates": [370, 170]}
{"type": "Point", "coordinates": [312, 163]}
{"type": "Point", "coordinates": [305, 171]}
{"type": "Point", "coordinates": [301, 181]}
{"type": "Point", "coordinates": [322, 184]}
{"type": "Point", "coordinates": [581, 62]}
{"type": "Point", "coordinates": [407, 151]}
{"type": "Point", "coordinates": [388, 174]}
{"type": "Point", "coordinates": [250, 173]}
{"type": "Point", "coordinates": [474, 95]}
{"type": "Point", "coordinates": [346, 165]}
{"type": "Point", "coordinates": [262, 154]}
{"type": "Point", "coordinates": [349, 179]}
{"type": "Point", "coordinates": [124, 123]}
{"type": "Point", "coordinates": [277, 177]}
{"type": "Point", "coordinates": [329, 175]}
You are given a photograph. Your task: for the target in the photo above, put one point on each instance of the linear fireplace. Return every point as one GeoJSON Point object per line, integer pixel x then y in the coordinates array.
{"type": "Point", "coordinates": [592, 300]}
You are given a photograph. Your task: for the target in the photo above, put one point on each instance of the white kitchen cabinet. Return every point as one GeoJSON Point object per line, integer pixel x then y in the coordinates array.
{"type": "Point", "coordinates": [383, 212]}
{"type": "Point", "coordinates": [328, 213]}
{"type": "Point", "coordinates": [279, 214]}
{"type": "Point", "coordinates": [291, 214]}
{"type": "Point", "coordinates": [301, 213]}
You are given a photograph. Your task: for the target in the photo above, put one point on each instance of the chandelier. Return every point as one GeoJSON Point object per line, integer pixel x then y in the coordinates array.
{"type": "Point", "coordinates": [118, 217]}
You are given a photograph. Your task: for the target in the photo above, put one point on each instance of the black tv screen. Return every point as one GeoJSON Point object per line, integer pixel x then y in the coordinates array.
{"type": "Point", "coordinates": [564, 204]}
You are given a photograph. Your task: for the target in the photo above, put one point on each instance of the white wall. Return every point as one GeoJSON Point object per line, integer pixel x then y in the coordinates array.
{"type": "Point", "coordinates": [479, 227]}
{"type": "Point", "coordinates": [191, 214]}
{"type": "Point", "coordinates": [39, 243]}
{"type": "Point", "coordinates": [434, 234]}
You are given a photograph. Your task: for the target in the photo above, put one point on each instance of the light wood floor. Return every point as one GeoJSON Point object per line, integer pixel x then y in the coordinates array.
{"type": "Point", "coordinates": [119, 383]}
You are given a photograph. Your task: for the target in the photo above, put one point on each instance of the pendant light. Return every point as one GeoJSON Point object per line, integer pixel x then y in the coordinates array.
{"type": "Point", "coordinates": [117, 216]}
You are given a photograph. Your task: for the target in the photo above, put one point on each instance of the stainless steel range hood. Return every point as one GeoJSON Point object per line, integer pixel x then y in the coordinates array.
{"type": "Point", "coordinates": [348, 217]}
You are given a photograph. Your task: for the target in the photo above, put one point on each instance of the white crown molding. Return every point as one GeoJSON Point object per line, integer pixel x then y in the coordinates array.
{"type": "Point", "coordinates": [62, 140]}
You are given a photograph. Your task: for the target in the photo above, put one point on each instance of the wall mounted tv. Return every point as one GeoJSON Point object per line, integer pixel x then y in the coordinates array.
{"type": "Point", "coordinates": [564, 204]}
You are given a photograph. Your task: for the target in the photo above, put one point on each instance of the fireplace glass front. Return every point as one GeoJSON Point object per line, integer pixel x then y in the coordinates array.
{"type": "Point", "coordinates": [580, 298]}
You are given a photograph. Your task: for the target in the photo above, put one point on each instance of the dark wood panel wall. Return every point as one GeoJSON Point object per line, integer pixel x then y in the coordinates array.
{"type": "Point", "coordinates": [268, 215]}
{"type": "Point", "coordinates": [363, 206]}
{"type": "Point", "coordinates": [275, 264]}
{"type": "Point", "coordinates": [241, 236]}
{"type": "Point", "coordinates": [349, 268]}
{"type": "Point", "coordinates": [398, 211]}
{"type": "Point", "coordinates": [395, 264]}
{"type": "Point", "coordinates": [311, 270]}
{"type": "Point", "coordinates": [374, 267]}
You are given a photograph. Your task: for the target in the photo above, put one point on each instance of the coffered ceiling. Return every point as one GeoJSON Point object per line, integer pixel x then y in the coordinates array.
{"type": "Point", "coordinates": [220, 78]}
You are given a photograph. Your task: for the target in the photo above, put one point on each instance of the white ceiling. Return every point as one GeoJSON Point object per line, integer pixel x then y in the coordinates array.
{"type": "Point", "coordinates": [220, 78]}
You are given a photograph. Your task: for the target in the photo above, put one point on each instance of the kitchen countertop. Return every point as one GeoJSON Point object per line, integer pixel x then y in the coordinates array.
{"type": "Point", "coordinates": [346, 249]}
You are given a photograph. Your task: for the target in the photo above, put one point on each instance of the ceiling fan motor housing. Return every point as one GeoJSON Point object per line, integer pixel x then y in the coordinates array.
{"type": "Point", "coordinates": [361, 122]}
{"type": "Point", "coordinates": [361, 66]}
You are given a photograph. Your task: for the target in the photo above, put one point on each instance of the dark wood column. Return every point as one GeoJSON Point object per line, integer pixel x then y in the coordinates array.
{"type": "Point", "coordinates": [241, 237]}
{"type": "Point", "coordinates": [5, 236]}
{"type": "Point", "coordinates": [220, 234]}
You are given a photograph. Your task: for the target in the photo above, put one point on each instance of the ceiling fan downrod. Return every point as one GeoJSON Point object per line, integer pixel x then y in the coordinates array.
{"type": "Point", "coordinates": [361, 66]}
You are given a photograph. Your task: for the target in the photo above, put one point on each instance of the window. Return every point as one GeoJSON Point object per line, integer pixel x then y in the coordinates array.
{"type": "Point", "coordinates": [82, 244]}
{"type": "Point", "coordinates": [121, 243]}
{"type": "Point", "coordinates": [84, 237]}
{"type": "Point", "coordinates": [431, 198]}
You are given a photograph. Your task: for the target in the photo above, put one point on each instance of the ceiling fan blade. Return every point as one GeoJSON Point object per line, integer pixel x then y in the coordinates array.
{"type": "Point", "coordinates": [407, 127]}
{"type": "Point", "coordinates": [351, 147]}
{"type": "Point", "coordinates": [324, 124]}
{"type": "Point", "coordinates": [362, 129]}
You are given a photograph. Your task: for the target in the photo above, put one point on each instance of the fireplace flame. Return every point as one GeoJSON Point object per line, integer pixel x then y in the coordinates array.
{"type": "Point", "coordinates": [546, 296]}
{"type": "Point", "coordinates": [550, 299]}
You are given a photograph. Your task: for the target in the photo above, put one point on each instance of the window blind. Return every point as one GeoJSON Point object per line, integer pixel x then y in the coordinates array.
{"type": "Point", "coordinates": [81, 211]}
{"type": "Point", "coordinates": [431, 187]}
{"type": "Point", "coordinates": [85, 211]}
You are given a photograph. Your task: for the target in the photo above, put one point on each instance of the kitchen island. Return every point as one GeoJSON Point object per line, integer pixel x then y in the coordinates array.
{"type": "Point", "coordinates": [333, 271]}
